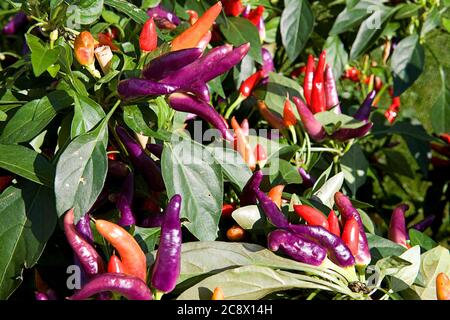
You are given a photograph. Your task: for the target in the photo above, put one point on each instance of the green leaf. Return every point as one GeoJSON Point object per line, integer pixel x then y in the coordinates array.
{"type": "Point", "coordinates": [432, 21]}
{"type": "Point", "coordinates": [407, 10]}
{"type": "Point", "coordinates": [381, 247]}
{"type": "Point", "coordinates": [138, 118]}
{"type": "Point", "coordinates": [41, 57]}
{"type": "Point", "coordinates": [354, 166]}
{"type": "Point", "coordinates": [27, 219]}
{"type": "Point", "coordinates": [188, 170]}
{"type": "Point", "coordinates": [87, 114]}
{"type": "Point", "coordinates": [278, 88]}
{"type": "Point", "coordinates": [87, 11]}
{"type": "Point", "coordinates": [446, 24]}
{"type": "Point", "coordinates": [418, 238]}
{"type": "Point", "coordinates": [296, 26]}
{"type": "Point", "coordinates": [440, 112]}
{"type": "Point", "coordinates": [33, 117]}
{"type": "Point", "coordinates": [350, 17]}
{"type": "Point", "coordinates": [332, 121]}
{"type": "Point", "coordinates": [367, 222]}
{"type": "Point", "coordinates": [286, 174]}
{"type": "Point", "coordinates": [238, 31]}
{"type": "Point", "coordinates": [27, 163]}
{"type": "Point", "coordinates": [404, 277]}
{"type": "Point", "coordinates": [397, 163]}
{"type": "Point", "coordinates": [272, 29]}
{"type": "Point", "coordinates": [138, 15]}
{"type": "Point", "coordinates": [149, 3]}
{"type": "Point", "coordinates": [336, 55]}
{"type": "Point", "coordinates": [407, 63]}
{"type": "Point", "coordinates": [147, 238]}
{"type": "Point", "coordinates": [370, 30]}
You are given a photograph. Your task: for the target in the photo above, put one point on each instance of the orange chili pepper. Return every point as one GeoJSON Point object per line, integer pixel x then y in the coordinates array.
{"type": "Point", "coordinates": [218, 294]}
{"type": "Point", "coordinates": [193, 16]}
{"type": "Point", "coordinates": [273, 120]}
{"type": "Point", "coordinates": [192, 36]}
{"type": "Point", "coordinates": [243, 147]}
{"type": "Point", "coordinates": [115, 265]}
{"type": "Point", "coordinates": [235, 233]}
{"type": "Point", "coordinates": [84, 48]}
{"type": "Point", "coordinates": [442, 286]}
{"type": "Point", "coordinates": [275, 194]}
{"type": "Point", "coordinates": [133, 258]}
{"type": "Point", "coordinates": [289, 118]}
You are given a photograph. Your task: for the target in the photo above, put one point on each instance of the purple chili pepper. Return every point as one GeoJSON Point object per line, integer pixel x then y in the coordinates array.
{"type": "Point", "coordinates": [347, 134]}
{"type": "Point", "coordinates": [143, 162]}
{"type": "Point", "coordinates": [397, 226]}
{"type": "Point", "coordinates": [308, 180]}
{"type": "Point", "coordinates": [331, 94]}
{"type": "Point", "coordinates": [159, 13]}
{"type": "Point", "coordinates": [16, 23]}
{"type": "Point", "coordinates": [128, 286]}
{"type": "Point", "coordinates": [84, 228]}
{"type": "Point", "coordinates": [271, 210]}
{"type": "Point", "coordinates": [246, 11]}
{"type": "Point", "coordinates": [296, 247]}
{"type": "Point", "coordinates": [268, 65]}
{"type": "Point", "coordinates": [41, 296]}
{"type": "Point", "coordinates": [166, 269]}
{"type": "Point", "coordinates": [312, 126]}
{"type": "Point", "coordinates": [347, 211]}
{"type": "Point", "coordinates": [155, 149]}
{"type": "Point", "coordinates": [261, 26]}
{"type": "Point", "coordinates": [363, 112]}
{"type": "Point", "coordinates": [248, 194]}
{"type": "Point", "coordinates": [171, 62]}
{"type": "Point", "coordinates": [137, 88]}
{"type": "Point", "coordinates": [200, 90]}
{"type": "Point", "coordinates": [154, 220]}
{"type": "Point", "coordinates": [125, 202]}
{"type": "Point", "coordinates": [187, 103]}
{"type": "Point", "coordinates": [425, 223]}
{"type": "Point", "coordinates": [117, 169]}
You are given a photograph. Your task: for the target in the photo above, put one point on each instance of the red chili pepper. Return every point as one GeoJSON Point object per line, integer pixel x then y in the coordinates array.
{"type": "Point", "coordinates": [276, 193]}
{"type": "Point", "coordinates": [112, 155]}
{"type": "Point", "coordinates": [4, 182]}
{"type": "Point", "coordinates": [378, 84]}
{"type": "Point", "coordinates": [333, 223]}
{"type": "Point", "coordinates": [260, 154]}
{"type": "Point", "coordinates": [392, 112]}
{"type": "Point", "coordinates": [193, 16]}
{"type": "Point", "coordinates": [352, 74]}
{"type": "Point", "coordinates": [233, 7]}
{"type": "Point", "coordinates": [350, 235]}
{"type": "Point", "coordinates": [105, 39]}
{"type": "Point", "coordinates": [318, 99]}
{"type": "Point", "coordinates": [115, 265]}
{"type": "Point", "coordinates": [311, 215]}
{"type": "Point", "coordinates": [297, 72]}
{"type": "Point", "coordinates": [255, 15]}
{"type": "Point", "coordinates": [148, 39]}
{"type": "Point", "coordinates": [309, 77]}
{"type": "Point", "coordinates": [445, 137]}
{"type": "Point", "coordinates": [248, 84]}
{"type": "Point", "coordinates": [289, 118]}
{"type": "Point", "coordinates": [227, 209]}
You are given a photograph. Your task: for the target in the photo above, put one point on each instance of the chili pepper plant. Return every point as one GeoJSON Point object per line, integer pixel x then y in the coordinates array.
{"type": "Point", "coordinates": [253, 149]}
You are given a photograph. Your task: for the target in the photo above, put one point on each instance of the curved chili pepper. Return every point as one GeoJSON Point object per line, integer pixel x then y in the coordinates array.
{"type": "Point", "coordinates": [271, 210]}
{"type": "Point", "coordinates": [90, 260]}
{"type": "Point", "coordinates": [307, 180]}
{"type": "Point", "coordinates": [148, 39]}
{"type": "Point", "coordinates": [235, 233]}
{"type": "Point", "coordinates": [312, 126]}
{"type": "Point", "coordinates": [442, 286]}
{"type": "Point", "coordinates": [155, 149]}
{"type": "Point", "coordinates": [350, 235]}
{"type": "Point", "coordinates": [163, 18]}
{"type": "Point", "coordinates": [249, 84]}
{"type": "Point", "coordinates": [138, 88]}
{"type": "Point", "coordinates": [347, 212]}
{"type": "Point", "coordinates": [351, 133]}
{"type": "Point", "coordinates": [218, 294]}
{"type": "Point", "coordinates": [248, 194]}
{"type": "Point", "coordinates": [363, 112]}
{"type": "Point", "coordinates": [17, 22]}
{"type": "Point", "coordinates": [115, 265]}
{"type": "Point", "coordinates": [318, 100]}
{"type": "Point", "coordinates": [331, 94]}
{"type": "Point", "coordinates": [117, 169]}
{"type": "Point", "coordinates": [144, 163]}
{"type": "Point", "coordinates": [261, 155]}
{"type": "Point", "coordinates": [171, 62]}
{"type": "Point", "coordinates": [243, 146]}
{"type": "Point", "coordinates": [289, 118]}
{"type": "Point", "coordinates": [166, 269]}
{"type": "Point", "coordinates": [128, 286]}
{"type": "Point", "coordinates": [187, 103]}
{"type": "Point", "coordinates": [309, 77]}
{"type": "Point", "coordinates": [337, 251]}
{"type": "Point", "coordinates": [311, 215]}
{"type": "Point", "coordinates": [397, 226]}
{"type": "Point", "coordinates": [233, 7]}
{"type": "Point", "coordinates": [133, 258]}
{"type": "Point", "coordinates": [200, 90]}
{"type": "Point", "coordinates": [296, 247]}
{"type": "Point", "coordinates": [125, 202]}
{"type": "Point", "coordinates": [424, 224]}
{"type": "Point", "coordinates": [276, 193]}
{"type": "Point", "coordinates": [83, 227]}
{"type": "Point", "coordinates": [273, 120]}
{"type": "Point", "coordinates": [333, 223]}
{"type": "Point", "coordinates": [204, 41]}
{"type": "Point", "coordinates": [192, 36]}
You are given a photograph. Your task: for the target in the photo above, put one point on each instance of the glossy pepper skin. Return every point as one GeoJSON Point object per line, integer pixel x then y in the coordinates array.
{"type": "Point", "coordinates": [289, 117]}
{"type": "Point", "coordinates": [276, 193]}
{"type": "Point", "coordinates": [331, 94]}
{"type": "Point", "coordinates": [268, 65]}
{"type": "Point", "coordinates": [235, 233]}
{"type": "Point", "coordinates": [138, 88]}
{"type": "Point", "coordinates": [261, 155]}
{"type": "Point", "coordinates": [347, 212]}
{"type": "Point", "coordinates": [248, 194]}
{"type": "Point", "coordinates": [425, 223]}
{"type": "Point", "coordinates": [155, 149]}
{"type": "Point", "coordinates": [133, 258]}
{"type": "Point", "coordinates": [333, 223]}
{"type": "Point", "coordinates": [128, 286]}
{"type": "Point", "coordinates": [312, 126]}
{"type": "Point", "coordinates": [88, 257]}
{"type": "Point", "coordinates": [271, 210]}
{"type": "Point", "coordinates": [363, 112]}
{"type": "Point", "coordinates": [274, 121]}
{"type": "Point", "coordinates": [296, 247]}
{"type": "Point", "coordinates": [117, 169]}
{"type": "Point", "coordinates": [218, 294]}
{"type": "Point", "coordinates": [166, 269]}
{"type": "Point", "coordinates": [83, 227]}
{"type": "Point", "coordinates": [309, 77]}
{"type": "Point", "coordinates": [307, 180]}
{"type": "Point", "coordinates": [311, 215]}
{"type": "Point", "coordinates": [148, 39]}
{"type": "Point", "coordinates": [125, 202]}
{"type": "Point", "coordinates": [163, 18]}
{"type": "Point", "coordinates": [442, 287]}
{"type": "Point", "coordinates": [115, 265]}
{"type": "Point", "coordinates": [350, 235]}
{"type": "Point", "coordinates": [318, 99]}
{"type": "Point", "coordinates": [249, 84]}
{"type": "Point", "coordinates": [17, 22]}
{"type": "Point", "coordinates": [144, 163]}
{"type": "Point", "coordinates": [192, 36]}
{"type": "Point", "coordinates": [243, 146]}
{"type": "Point", "coordinates": [345, 134]}
{"type": "Point", "coordinates": [84, 48]}
{"type": "Point", "coordinates": [188, 103]}
{"type": "Point", "coordinates": [397, 226]}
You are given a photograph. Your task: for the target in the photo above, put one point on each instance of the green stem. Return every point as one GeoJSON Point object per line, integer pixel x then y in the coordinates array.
{"type": "Point", "coordinates": [234, 105]}
{"type": "Point", "coordinates": [293, 133]}
{"type": "Point", "coordinates": [308, 150]}
{"type": "Point", "coordinates": [158, 295]}
{"type": "Point", "coordinates": [330, 150]}
{"type": "Point", "coordinates": [313, 294]}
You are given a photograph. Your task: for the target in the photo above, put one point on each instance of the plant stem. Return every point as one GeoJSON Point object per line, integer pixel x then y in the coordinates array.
{"type": "Point", "coordinates": [233, 106]}
{"type": "Point", "coordinates": [324, 149]}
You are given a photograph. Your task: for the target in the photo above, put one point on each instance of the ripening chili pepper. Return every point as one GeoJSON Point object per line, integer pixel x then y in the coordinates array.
{"type": "Point", "coordinates": [88, 257]}
{"type": "Point", "coordinates": [441, 149]}
{"type": "Point", "coordinates": [125, 202]}
{"type": "Point", "coordinates": [104, 57]}
{"type": "Point", "coordinates": [445, 137]}
{"type": "Point", "coordinates": [318, 99]}
{"type": "Point", "coordinates": [273, 120]}
{"type": "Point", "coordinates": [312, 126]}
{"type": "Point", "coordinates": [235, 233]}
{"type": "Point", "coordinates": [345, 134]}
{"type": "Point", "coordinates": [106, 39]}
{"type": "Point", "coordinates": [271, 210]}
{"type": "Point", "coordinates": [307, 180]}
{"type": "Point", "coordinates": [378, 84]}
{"type": "Point", "coordinates": [289, 118]}
{"type": "Point", "coordinates": [218, 294]}
{"type": "Point", "coordinates": [424, 224]}
{"type": "Point", "coordinates": [248, 194]}
{"type": "Point", "coordinates": [5, 182]}
{"type": "Point", "coordinates": [352, 74]}
{"type": "Point", "coordinates": [131, 287]}
{"type": "Point", "coordinates": [243, 146]}
{"type": "Point", "coordinates": [296, 247]}
{"type": "Point", "coordinates": [311, 215]}
{"type": "Point", "coordinates": [166, 269]}
{"type": "Point", "coordinates": [233, 7]}
{"type": "Point", "coordinates": [331, 94]}
{"type": "Point", "coordinates": [84, 46]}
{"type": "Point", "coordinates": [333, 224]}
{"type": "Point", "coordinates": [268, 65]}
{"type": "Point", "coordinates": [387, 50]}
{"type": "Point", "coordinates": [363, 113]}
{"type": "Point", "coordinates": [227, 209]}
{"type": "Point", "coordinates": [261, 155]}
{"type": "Point", "coordinates": [137, 88]}
{"type": "Point", "coordinates": [255, 15]}
{"type": "Point", "coordinates": [148, 39]}
{"type": "Point", "coordinates": [192, 36]}
{"type": "Point", "coordinates": [350, 235]}
{"type": "Point", "coordinates": [392, 112]}
{"type": "Point", "coordinates": [309, 77]}
{"type": "Point", "coordinates": [397, 226]}
{"type": "Point", "coordinates": [131, 254]}
{"type": "Point", "coordinates": [439, 162]}
{"type": "Point", "coordinates": [250, 83]}
{"type": "Point", "coordinates": [117, 169]}
{"type": "Point", "coordinates": [16, 22]}
{"type": "Point", "coordinates": [115, 265]}
{"type": "Point", "coordinates": [276, 193]}
{"type": "Point", "coordinates": [163, 18]}
{"type": "Point", "coordinates": [193, 16]}
{"type": "Point", "coordinates": [442, 286]}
